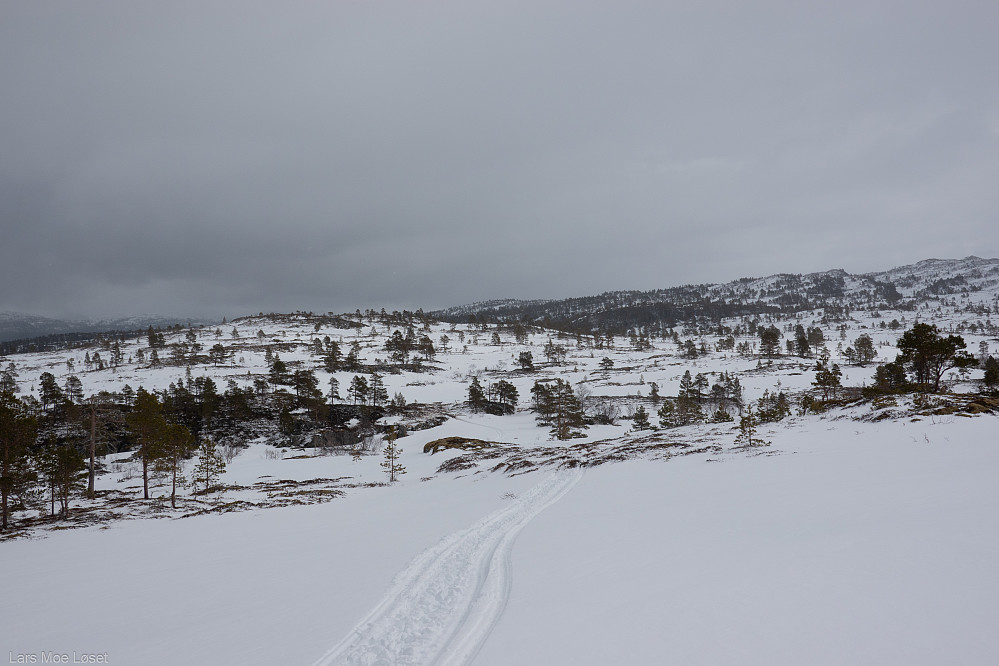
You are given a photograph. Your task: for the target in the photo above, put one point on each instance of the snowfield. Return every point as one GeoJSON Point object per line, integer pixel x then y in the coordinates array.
{"type": "Point", "coordinates": [867, 534]}
{"type": "Point", "coordinates": [843, 542]}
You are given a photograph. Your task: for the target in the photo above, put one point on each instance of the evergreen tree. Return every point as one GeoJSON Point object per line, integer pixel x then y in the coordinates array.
{"type": "Point", "coordinates": [773, 407]}
{"type": "Point", "coordinates": [505, 394]}
{"type": "Point", "coordinates": [398, 347]}
{"type": "Point", "coordinates": [358, 390]}
{"type": "Point", "coordinates": [73, 389]}
{"type": "Point", "coordinates": [377, 391]}
{"type": "Point", "coordinates": [929, 355]}
{"type": "Point", "coordinates": [278, 371]}
{"type": "Point", "coordinates": [334, 392]}
{"type": "Point", "coordinates": [18, 429]}
{"type": "Point", "coordinates": [49, 390]}
{"type": "Point", "coordinates": [699, 386]}
{"type": "Point", "coordinates": [890, 376]}
{"type": "Point", "coordinates": [147, 424]}
{"type": "Point", "coordinates": [721, 415]}
{"type": "Point", "coordinates": [555, 353]}
{"type": "Point", "coordinates": [864, 350]}
{"type": "Point", "coordinates": [8, 380]}
{"type": "Point", "coordinates": [391, 463]}
{"type": "Point", "coordinates": [353, 360]}
{"type": "Point", "coordinates": [680, 412]}
{"type": "Point", "coordinates": [174, 446]}
{"type": "Point", "coordinates": [827, 378]}
{"type": "Point", "coordinates": [426, 347]}
{"type": "Point", "coordinates": [748, 425]}
{"type": "Point", "coordinates": [558, 406]}
{"type": "Point", "coordinates": [991, 378]}
{"type": "Point", "coordinates": [331, 355]}
{"type": "Point", "coordinates": [95, 410]}
{"type": "Point", "coordinates": [210, 466]}
{"type": "Point", "coordinates": [568, 411]}
{"type": "Point", "coordinates": [307, 390]}
{"type": "Point", "coordinates": [526, 361]}
{"type": "Point", "coordinates": [641, 419]}
{"type": "Point", "coordinates": [801, 346]}
{"type": "Point", "coordinates": [218, 354]}
{"type": "Point", "coordinates": [769, 341]}
{"type": "Point", "coordinates": [64, 469]}
{"type": "Point", "coordinates": [476, 396]}
{"type": "Point", "coordinates": [686, 386]}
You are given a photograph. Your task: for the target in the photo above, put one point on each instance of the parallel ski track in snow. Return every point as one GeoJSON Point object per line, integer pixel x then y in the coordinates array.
{"type": "Point", "coordinates": [442, 607]}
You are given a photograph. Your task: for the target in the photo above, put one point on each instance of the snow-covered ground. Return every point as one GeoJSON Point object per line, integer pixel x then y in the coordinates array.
{"type": "Point", "coordinates": [842, 542]}
{"type": "Point", "coordinates": [847, 540]}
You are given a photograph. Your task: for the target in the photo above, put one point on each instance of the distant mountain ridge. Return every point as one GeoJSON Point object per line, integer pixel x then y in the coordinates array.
{"type": "Point", "coordinates": [19, 325]}
{"type": "Point", "coordinates": [903, 288]}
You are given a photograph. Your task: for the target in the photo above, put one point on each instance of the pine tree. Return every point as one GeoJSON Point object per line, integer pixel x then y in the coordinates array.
{"type": "Point", "coordinates": [801, 346]}
{"type": "Point", "coordinates": [73, 389]}
{"type": "Point", "coordinates": [358, 390]}
{"type": "Point", "coordinates": [174, 446]}
{"type": "Point", "coordinates": [476, 396]}
{"type": "Point", "coordinates": [686, 386]}
{"type": "Point", "coordinates": [748, 425]}
{"type": "Point", "coordinates": [991, 378]}
{"type": "Point", "coordinates": [769, 341]}
{"type": "Point", "coordinates": [568, 412]}
{"type": "Point", "coordinates": [147, 424]}
{"type": "Point", "coordinates": [680, 412]}
{"type": "Point", "coordinates": [211, 464]}
{"type": "Point", "coordinates": [929, 355]}
{"type": "Point", "coordinates": [391, 463]}
{"type": "Point", "coordinates": [559, 407]}
{"type": "Point", "coordinates": [827, 378]}
{"type": "Point", "coordinates": [64, 469]}
{"type": "Point", "coordinates": [721, 415]}
{"type": "Point", "coordinates": [864, 351]}
{"type": "Point", "coordinates": [641, 419]}
{"type": "Point", "coordinates": [49, 390]}
{"type": "Point", "coordinates": [18, 430]}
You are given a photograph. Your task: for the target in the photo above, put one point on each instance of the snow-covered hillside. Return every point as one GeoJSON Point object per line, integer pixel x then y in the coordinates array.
{"type": "Point", "coordinates": [864, 533]}
{"type": "Point", "coordinates": [970, 283]}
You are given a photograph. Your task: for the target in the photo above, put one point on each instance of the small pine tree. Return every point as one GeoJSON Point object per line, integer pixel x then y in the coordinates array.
{"type": "Point", "coordinates": [476, 396]}
{"type": "Point", "coordinates": [827, 379]}
{"type": "Point", "coordinates": [211, 464]}
{"type": "Point", "coordinates": [641, 419]}
{"type": "Point", "coordinates": [392, 452]}
{"type": "Point", "coordinates": [991, 378]}
{"type": "Point", "coordinates": [748, 425]}
{"type": "Point", "coordinates": [174, 446]}
{"type": "Point", "coordinates": [721, 415]}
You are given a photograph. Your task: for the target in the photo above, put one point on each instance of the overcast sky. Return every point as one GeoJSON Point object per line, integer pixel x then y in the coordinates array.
{"type": "Point", "coordinates": [223, 158]}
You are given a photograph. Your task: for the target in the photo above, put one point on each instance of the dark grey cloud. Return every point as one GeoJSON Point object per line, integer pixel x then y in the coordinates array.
{"type": "Point", "coordinates": [197, 158]}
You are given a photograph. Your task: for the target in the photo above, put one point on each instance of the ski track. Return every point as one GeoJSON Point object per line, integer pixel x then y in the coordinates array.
{"type": "Point", "coordinates": [442, 607]}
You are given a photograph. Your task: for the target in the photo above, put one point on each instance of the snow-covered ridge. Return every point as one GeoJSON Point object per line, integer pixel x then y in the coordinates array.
{"type": "Point", "coordinates": [974, 278]}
